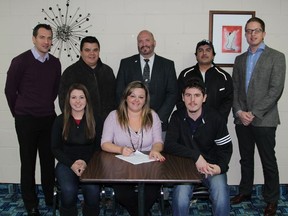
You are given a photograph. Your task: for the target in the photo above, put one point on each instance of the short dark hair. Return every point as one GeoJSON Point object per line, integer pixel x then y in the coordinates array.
{"type": "Point", "coordinates": [195, 83]}
{"type": "Point", "coordinates": [89, 39]}
{"type": "Point", "coordinates": [256, 19]}
{"type": "Point", "coordinates": [205, 42]}
{"type": "Point", "coordinates": [41, 25]}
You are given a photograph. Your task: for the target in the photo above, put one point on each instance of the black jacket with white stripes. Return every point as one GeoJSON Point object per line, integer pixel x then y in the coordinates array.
{"type": "Point", "coordinates": [219, 88]}
{"type": "Point", "coordinates": [211, 138]}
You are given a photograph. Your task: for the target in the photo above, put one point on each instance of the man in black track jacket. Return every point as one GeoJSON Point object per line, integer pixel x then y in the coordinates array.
{"type": "Point", "coordinates": [219, 85]}
{"type": "Point", "coordinates": [200, 133]}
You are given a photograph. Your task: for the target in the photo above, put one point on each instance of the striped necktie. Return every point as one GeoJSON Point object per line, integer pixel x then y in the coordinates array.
{"type": "Point", "coordinates": [146, 72]}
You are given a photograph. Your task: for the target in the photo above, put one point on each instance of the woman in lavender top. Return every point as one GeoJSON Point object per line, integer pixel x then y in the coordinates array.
{"type": "Point", "coordinates": [134, 126]}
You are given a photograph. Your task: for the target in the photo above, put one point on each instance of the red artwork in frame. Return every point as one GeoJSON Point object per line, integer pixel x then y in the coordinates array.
{"type": "Point", "coordinates": [227, 33]}
{"type": "Point", "coordinates": [231, 39]}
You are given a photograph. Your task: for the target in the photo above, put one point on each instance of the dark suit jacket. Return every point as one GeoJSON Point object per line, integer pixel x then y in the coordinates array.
{"type": "Point", "coordinates": [162, 87]}
{"type": "Point", "coordinates": [265, 87]}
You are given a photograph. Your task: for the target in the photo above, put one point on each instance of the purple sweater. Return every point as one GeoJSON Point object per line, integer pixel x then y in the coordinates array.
{"type": "Point", "coordinates": [32, 86]}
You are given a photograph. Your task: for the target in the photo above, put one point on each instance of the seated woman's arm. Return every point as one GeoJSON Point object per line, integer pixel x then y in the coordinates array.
{"type": "Point", "coordinates": [157, 145]}
{"type": "Point", "coordinates": [108, 136]}
{"type": "Point", "coordinates": [155, 152]}
{"type": "Point", "coordinates": [57, 144]}
{"type": "Point", "coordinates": [111, 147]}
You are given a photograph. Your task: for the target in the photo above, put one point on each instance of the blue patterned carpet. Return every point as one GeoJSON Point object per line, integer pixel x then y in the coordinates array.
{"type": "Point", "coordinates": [12, 205]}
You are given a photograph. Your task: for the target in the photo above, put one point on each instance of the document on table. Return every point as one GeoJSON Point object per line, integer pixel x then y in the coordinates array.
{"type": "Point", "coordinates": [136, 158]}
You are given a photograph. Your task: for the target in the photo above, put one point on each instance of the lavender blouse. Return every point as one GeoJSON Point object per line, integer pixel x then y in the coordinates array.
{"type": "Point", "coordinates": [142, 140]}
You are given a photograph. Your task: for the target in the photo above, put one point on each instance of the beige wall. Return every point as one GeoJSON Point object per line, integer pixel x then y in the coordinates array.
{"type": "Point", "coordinates": [177, 27]}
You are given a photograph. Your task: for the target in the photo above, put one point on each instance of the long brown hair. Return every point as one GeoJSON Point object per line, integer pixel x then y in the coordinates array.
{"type": "Point", "coordinates": [122, 111]}
{"type": "Point", "coordinates": [67, 112]}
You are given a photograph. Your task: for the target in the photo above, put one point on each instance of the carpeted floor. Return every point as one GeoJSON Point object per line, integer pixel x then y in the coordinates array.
{"type": "Point", "coordinates": [11, 203]}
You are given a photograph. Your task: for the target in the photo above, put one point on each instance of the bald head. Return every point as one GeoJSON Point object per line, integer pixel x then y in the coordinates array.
{"type": "Point", "coordinates": [146, 43]}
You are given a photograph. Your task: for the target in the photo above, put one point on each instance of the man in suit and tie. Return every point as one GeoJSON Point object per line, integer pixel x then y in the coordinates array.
{"type": "Point", "coordinates": [156, 72]}
{"type": "Point", "coordinates": [258, 78]}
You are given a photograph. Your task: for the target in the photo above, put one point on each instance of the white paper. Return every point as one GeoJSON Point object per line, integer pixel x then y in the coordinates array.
{"type": "Point", "coordinates": [136, 158]}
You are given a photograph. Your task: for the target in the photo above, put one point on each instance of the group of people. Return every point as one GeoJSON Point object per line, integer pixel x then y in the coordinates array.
{"type": "Point", "coordinates": [131, 112]}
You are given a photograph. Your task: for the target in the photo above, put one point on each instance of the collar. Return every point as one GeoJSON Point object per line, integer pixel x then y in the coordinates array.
{"type": "Point", "coordinates": [199, 119]}
{"type": "Point", "coordinates": [260, 48]}
{"type": "Point", "coordinates": [38, 57]}
{"type": "Point", "coordinates": [151, 59]}
{"type": "Point", "coordinates": [211, 66]}
{"type": "Point", "coordinates": [99, 64]}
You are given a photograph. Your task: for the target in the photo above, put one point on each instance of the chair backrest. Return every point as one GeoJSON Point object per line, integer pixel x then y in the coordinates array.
{"type": "Point", "coordinates": [200, 192]}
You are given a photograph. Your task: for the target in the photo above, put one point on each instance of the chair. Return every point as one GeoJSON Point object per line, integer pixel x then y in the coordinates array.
{"type": "Point", "coordinates": [200, 192]}
{"type": "Point", "coordinates": [106, 194]}
{"type": "Point", "coordinates": [56, 198]}
{"type": "Point", "coordinates": [108, 198]}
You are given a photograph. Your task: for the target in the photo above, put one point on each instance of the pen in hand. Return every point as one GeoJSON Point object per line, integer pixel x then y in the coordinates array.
{"type": "Point", "coordinates": [126, 151]}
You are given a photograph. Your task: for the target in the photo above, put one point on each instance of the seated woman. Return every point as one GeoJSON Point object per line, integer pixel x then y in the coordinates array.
{"type": "Point", "coordinates": [76, 134]}
{"type": "Point", "coordinates": [134, 126]}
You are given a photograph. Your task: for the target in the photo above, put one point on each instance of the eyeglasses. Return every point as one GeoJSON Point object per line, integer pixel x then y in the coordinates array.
{"type": "Point", "coordinates": [256, 31]}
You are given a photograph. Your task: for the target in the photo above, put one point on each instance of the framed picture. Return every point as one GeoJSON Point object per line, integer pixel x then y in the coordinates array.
{"type": "Point", "coordinates": [227, 33]}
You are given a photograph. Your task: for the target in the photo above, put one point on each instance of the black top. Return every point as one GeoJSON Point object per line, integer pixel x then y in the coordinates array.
{"type": "Point", "coordinates": [163, 88]}
{"type": "Point", "coordinates": [77, 146]}
{"type": "Point", "coordinates": [211, 138]}
{"type": "Point", "coordinates": [219, 88]}
{"type": "Point", "coordinates": [99, 81]}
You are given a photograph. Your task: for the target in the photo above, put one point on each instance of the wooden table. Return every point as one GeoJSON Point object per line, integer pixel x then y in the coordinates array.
{"type": "Point", "coordinates": [105, 167]}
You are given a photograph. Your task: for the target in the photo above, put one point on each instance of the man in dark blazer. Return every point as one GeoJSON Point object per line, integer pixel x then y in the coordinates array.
{"type": "Point", "coordinates": [162, 81]}
{"type": "Point", "coordinates": [258, 78]}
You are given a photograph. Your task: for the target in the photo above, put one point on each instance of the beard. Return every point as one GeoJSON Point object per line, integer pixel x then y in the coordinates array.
{"type": "Point", "coordinates": [192, 111]}
{"type": "Point", "coordinates": [146, 50]}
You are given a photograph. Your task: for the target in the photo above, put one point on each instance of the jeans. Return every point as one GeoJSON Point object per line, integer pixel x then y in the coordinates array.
{"type": "Point", "coordinates": [69, 184]}
{"type": "Point", "coordinates": [218, 194]}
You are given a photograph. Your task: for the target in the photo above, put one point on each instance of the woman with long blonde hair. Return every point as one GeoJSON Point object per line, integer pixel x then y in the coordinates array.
{"type": "Point", "coordinates": [134, 127]}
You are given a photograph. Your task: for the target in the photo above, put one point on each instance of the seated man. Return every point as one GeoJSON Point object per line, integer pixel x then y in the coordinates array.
{"type": "Point", "coordinates": [200, 133]}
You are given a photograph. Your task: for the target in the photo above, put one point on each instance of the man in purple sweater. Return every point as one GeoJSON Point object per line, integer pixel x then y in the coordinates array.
{"type": "Point", "coordinates": [31, 88]}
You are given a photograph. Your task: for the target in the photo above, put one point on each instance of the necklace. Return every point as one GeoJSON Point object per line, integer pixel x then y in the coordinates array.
{"type": "Point", "coordinates": [133, 146]}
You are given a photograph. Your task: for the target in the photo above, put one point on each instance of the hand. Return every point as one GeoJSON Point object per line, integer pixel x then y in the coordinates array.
{"type": "Point", "coordinates": [201, 164]}
{"type": "Point", "coordinates": [156, 155]}
{"type": "Point", "coordinates": [78, 167]}
{"type": "Point", "coordinates": [214, 169]}
{"type": "Point", "coordinates": [246, 117]}
{"type": "Point", "coordinates": [126, 151]}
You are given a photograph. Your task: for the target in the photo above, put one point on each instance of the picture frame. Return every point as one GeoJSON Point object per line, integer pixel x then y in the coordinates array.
{"type": "Point", "coordinates": [227, 33]}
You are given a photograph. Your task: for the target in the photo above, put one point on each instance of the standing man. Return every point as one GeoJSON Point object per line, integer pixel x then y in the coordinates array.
{"type": "Point", "coordinates": [258, 78]}
{"type": "Point", "coordinates": [31, 88]}
{"type": "Point", "coordinates": [219, 85]}
{"type": "Point", "coordinates": [200, 133]}
{"type": "Point", "coordinates": [96, 76]}
{"type": "Point", "coordinates": [156, 72]}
